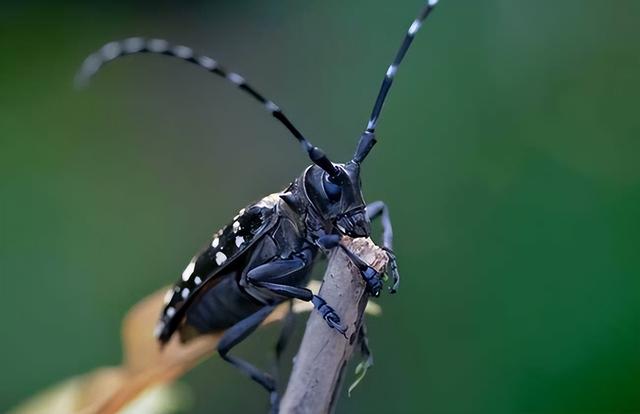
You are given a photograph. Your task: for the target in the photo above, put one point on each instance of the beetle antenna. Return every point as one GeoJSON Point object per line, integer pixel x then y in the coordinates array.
{"type": "Point", "coordinates": [393, 68]}
{"type": "Point", "coordinates": [134, 45]}
{"type": "Point", "coordinates": [367, 140]}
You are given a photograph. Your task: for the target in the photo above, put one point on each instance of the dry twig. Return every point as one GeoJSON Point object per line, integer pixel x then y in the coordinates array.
{"type": "Point", "coordinates": [317, 374]}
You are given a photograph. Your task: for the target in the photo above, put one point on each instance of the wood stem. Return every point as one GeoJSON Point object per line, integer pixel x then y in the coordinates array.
{"type": "Point", "coordinates": [315, 383]}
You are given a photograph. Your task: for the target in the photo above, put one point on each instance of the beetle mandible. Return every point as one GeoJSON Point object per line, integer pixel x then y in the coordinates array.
{"type": "Point", "coordinates": [265, 255]}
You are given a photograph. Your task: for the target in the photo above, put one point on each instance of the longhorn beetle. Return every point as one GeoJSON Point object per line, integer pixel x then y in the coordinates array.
{"type": "Point", "coordinates": [265, 256]}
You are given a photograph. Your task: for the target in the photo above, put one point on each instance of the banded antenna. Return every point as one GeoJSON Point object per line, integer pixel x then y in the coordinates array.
{"type": "Point", "coordinates": [368, 140]}
{"type": "Point", "coordinates": [134, 45]}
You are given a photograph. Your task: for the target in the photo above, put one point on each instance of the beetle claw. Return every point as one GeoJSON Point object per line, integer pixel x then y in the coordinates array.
{"type": "Point", "coordinates": [329, 315]}
{"type": "Point", "coordinates": [392, 270]}
{"type": "Point", "coordinates": [334, 322]}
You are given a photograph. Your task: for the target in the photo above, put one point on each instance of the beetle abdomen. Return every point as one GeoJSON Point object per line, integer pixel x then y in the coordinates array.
{"type": "Point", "coordinates": [220, 307]}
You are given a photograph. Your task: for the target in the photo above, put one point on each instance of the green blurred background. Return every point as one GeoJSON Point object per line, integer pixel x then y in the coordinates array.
{"type": "Point", "coordinates": [508, 154]}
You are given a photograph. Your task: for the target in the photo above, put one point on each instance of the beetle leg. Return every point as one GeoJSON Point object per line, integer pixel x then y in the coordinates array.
{"type": "Point", "coordinates": [392, 268]}
{"type": "Point", "coordinates": [236, 334]}
{"type": "Point", "coordinates": [370, 275]}
{"type": "Point", "coordinates": [283, 339]}
{"type": "Point", "coordinates": [380, 209]}
{"type": "Point", "coordinates": [275, 277]}
{"type": "Point", "coordinates": [328, 314]}
{"type": "Point", "coordinates": [292, 292]}
{"type": "Point", "coordinates": [281, 271]}
{"type": "Point", "coordinates": [329, 241]}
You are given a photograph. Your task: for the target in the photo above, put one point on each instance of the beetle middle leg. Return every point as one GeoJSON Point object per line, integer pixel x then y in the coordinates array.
{"type": "Point", "coordinates": [280, 276]}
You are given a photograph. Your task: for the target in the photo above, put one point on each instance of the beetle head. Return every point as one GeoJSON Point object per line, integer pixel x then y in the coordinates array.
{"type": "Point", "coordinates": [338, 200]}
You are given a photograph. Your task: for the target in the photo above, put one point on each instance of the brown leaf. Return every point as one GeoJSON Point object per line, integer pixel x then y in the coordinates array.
{"type": "Point", "coordinates": [145, 365]}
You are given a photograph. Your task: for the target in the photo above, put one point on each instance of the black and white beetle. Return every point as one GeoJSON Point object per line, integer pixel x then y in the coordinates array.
{"type": "Point", "coordinates": [264, 257]}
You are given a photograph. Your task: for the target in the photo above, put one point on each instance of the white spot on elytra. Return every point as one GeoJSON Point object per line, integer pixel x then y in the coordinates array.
{"type": "Point", "coordinates": [433, 2]}
{"type": "Point", "coordinates": [158, 329]}
{"type": "Point", "coordinates": [215, 242]}
{"type": "Point", "coordinates": [188, 271]}
{"type": "Point", "coordinates": [197, 280]}
{"type": "Point", "coordinates": [170, 311]}
{"type": "Point", "coordinates": [240, 213]}
{"type": "Point", "coordinates": [220, 258]}
{"type": "Point", "coordinates": [236, 226]}
{"type": "Point", "coordinates": [391, 72]}
{"type": "Point", "coordinates": [235, 78]}
{"type": "Point", "coordinates": [168, 296]}
{"type": "Point", "coordinates": [415, 26]}
{"type": "Point", "coordinates": [185, 293]}
{"type": "Point", "coordinates": [239, 241]}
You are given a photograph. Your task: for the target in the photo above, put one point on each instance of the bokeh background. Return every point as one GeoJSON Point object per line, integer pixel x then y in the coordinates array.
{"type": "Point", "coordinates": [508, 154]}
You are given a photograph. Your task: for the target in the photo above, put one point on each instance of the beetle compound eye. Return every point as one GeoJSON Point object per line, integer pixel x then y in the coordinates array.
{"type": "Point", "coordinates": [333, 190]}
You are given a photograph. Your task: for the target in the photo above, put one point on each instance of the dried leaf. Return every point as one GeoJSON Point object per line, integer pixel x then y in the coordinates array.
{"type": "Point", "coordinates": [146, 364]}
{"type": "Point", "coordinates": [146, 368]}
{"type": "Point", "coordinates": [143, 376]}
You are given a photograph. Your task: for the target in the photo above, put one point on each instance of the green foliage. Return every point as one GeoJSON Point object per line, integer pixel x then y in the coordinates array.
{"type": "Point", "coordinates": [508, 154]}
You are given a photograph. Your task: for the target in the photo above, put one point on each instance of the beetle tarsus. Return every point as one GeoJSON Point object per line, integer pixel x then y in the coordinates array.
{"type": "Point", "coordinates": [372, 278]}
{"type": "Point", "coordinates": [379, 209]}
{"type": "Point", "coordinates": [328, 314]}
{"type": "Point", "coordinates": [370, 275]}
{"type": "Point", "coordinates": [392, 269]}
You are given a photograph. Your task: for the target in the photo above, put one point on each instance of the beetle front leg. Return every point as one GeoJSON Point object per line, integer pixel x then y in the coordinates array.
{"type": "Point", "coordinates": [370, 275]}
{"type": "Point", "coordinates": [380, 209]}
